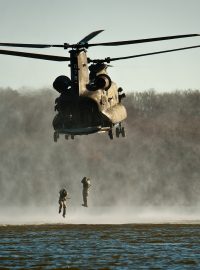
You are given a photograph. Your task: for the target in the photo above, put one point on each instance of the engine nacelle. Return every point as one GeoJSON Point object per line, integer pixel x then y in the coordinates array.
{"type": "Point", "coordinates": [101, 81]}
{"type": "Point", "coordinates": [62, 83]}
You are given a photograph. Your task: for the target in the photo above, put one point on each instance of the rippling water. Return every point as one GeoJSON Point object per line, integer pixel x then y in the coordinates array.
{"type": "Point", "coordinates": [132, 246]}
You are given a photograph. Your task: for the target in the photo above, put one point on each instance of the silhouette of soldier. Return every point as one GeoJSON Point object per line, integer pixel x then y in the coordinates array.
{"type": "Point", "coordinates": [62, 201]}
{"type": "Point", "coordinates": [86, 185]}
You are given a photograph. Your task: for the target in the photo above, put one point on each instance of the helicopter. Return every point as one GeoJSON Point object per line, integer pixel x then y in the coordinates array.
{"type": "Point", "coordinates": [89, 102]}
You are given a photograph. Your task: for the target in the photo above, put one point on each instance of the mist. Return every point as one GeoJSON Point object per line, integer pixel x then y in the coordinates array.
{"type": "Point", "coordinates": [151, 175]}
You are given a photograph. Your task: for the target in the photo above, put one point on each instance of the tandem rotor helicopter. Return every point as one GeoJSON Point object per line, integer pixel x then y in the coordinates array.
{"type": "Point", "coordinates": [89, 101]}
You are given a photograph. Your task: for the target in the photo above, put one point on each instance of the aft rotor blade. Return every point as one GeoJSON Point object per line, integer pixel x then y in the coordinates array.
{"type": "Point", "coordinates": [24, 45]}
{"type": "Point", "coordinates": [34, 55]}
{"type": "Point", "coordinates": [108, 60]}
{"type": "Point", "coordinates": [128, 42]}
{"type": "Point", "coordinates": [90, 36]}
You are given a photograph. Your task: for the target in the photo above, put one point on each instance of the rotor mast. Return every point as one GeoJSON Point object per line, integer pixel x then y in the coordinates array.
{"type": "Point", "coordinates": [74, 72]}
{"type": "Point", "coordinates": [78, 64]}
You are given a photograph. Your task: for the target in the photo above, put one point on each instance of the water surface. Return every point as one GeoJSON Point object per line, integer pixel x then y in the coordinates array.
{"type": "Point", "coordinates": [131, 246]}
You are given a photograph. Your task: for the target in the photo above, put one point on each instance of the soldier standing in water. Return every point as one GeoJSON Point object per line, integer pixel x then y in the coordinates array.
{"type": "Point", "coordinates": [62, 201]}
{"type": "Point", "coordinates": [86, 185]}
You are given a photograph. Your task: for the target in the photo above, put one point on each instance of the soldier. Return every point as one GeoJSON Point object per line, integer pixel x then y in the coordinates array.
{"type": "Point", "coordinates": [62, 201]}
{"type": "Point", "coordinates": [86, 185]}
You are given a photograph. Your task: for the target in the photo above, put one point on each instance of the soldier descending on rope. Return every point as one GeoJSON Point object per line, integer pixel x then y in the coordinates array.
{"type": "Point", "coordinates": [62, 201]}
{"type": "Point", "coordinates": [86, 185]}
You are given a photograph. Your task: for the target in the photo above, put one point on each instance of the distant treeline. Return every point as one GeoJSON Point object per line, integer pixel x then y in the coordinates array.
{"type": "Point", "coordinates": [158, 163]}
{"type": "Point", "coordinates": [176, 113]}
{"type": "Point", "coordinates": [178, 102]}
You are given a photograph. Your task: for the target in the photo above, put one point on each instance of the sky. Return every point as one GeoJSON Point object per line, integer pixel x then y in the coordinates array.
{"type": "Point", "coordinates": [57, 22]}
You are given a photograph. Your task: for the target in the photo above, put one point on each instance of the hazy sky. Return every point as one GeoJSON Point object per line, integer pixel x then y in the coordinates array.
{"type": "Point", "coordinates": [56, 22]}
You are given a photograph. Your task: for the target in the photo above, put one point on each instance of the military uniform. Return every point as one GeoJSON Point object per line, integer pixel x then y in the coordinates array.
{"type": "Point", "coordinates": [62, 201]}
{"type": "Point", "coordinates": [86, 185]}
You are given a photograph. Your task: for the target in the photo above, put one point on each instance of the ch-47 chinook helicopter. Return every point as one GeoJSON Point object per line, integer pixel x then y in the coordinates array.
{"type": "Point", "coordinates": [89, 101]}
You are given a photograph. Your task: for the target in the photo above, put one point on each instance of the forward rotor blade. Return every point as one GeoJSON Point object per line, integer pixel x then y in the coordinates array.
{"type": "Point", "coordinates": [23, 45]}
{"type": "Point", "coordinates": [90, 36]}
{"type": "Point", "coordinates": [65, 45]}
{"type": "Point", "coordinates": [108, 60]}
{"type": "Point", "coordinates": [34, 55]}
{"type": "Point", "coordinates": [127, 42]}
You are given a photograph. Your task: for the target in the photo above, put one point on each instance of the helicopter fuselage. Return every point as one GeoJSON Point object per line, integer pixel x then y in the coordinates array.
{"type": "Point", "coordinates": [91, 103]}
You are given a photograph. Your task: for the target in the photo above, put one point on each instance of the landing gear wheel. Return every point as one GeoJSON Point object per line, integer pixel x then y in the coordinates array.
{"type": "Point", "coordinates": [123, 132]}
{"type": "Point", "coordinates": [66, 137]}
{"type": "Point", "coordinates": [55, 136]}
{"type": "Point", "coordinates": [72, 137]}
{"type": "Point", "coordinates": [117, 132]}
{"type": "Point", "coordinates": [110, 134]}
